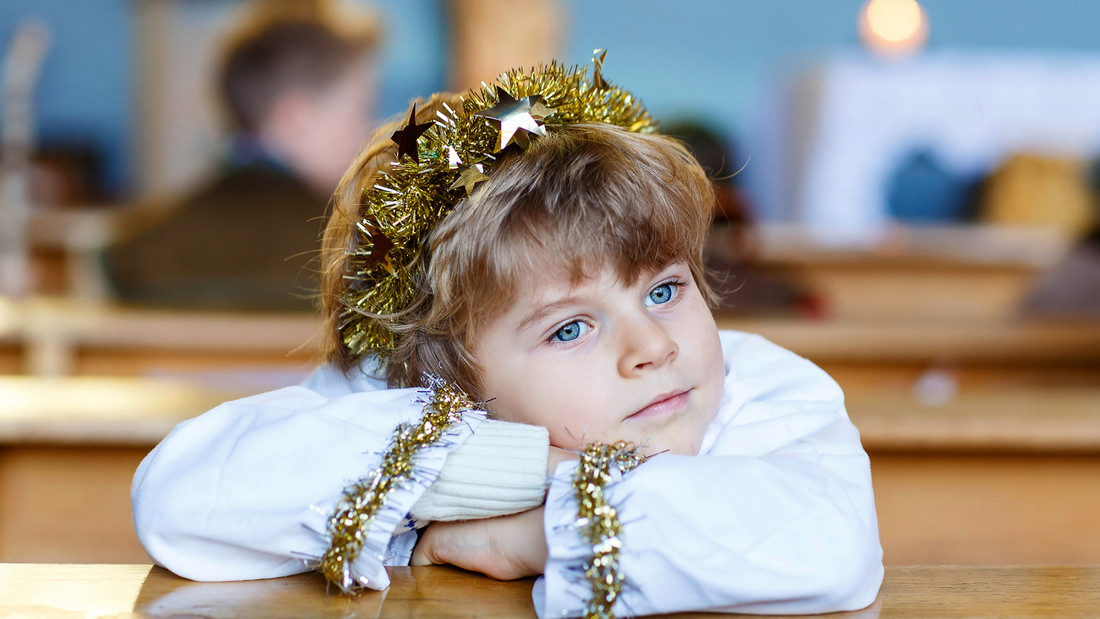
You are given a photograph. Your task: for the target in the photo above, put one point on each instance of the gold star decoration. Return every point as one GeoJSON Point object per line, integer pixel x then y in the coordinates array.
{"type": "Point", "coordinates": [406, 138]}
{"type": "Point", "coordinates": [539, 110]}
{"type": "Point", "coordinates": [598, 81]}
{"type": "Point", "coordinates": [470, 177]}
{"type": "Point", "coordinates": [518, 119]}
{"type": "Point", "coordinates": [380, 245]}
{"type": "Point", "coordinates": [410, 198]}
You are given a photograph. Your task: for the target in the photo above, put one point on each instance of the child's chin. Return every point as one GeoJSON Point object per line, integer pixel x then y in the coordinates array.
{"type": "Point", "coordinates": [675, 448]}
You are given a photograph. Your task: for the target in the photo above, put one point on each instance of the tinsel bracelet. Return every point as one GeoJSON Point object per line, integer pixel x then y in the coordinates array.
{"type": "Point", "coordinates": [364, 500]}
{"type": "Point", "coordinates": [598, 521]}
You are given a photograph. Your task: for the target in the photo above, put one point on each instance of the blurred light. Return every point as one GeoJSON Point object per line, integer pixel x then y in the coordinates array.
{"type": "Point", "coordinates": [893, 27]}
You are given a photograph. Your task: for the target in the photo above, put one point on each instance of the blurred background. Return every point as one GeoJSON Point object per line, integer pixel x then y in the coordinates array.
{"type": "Point", "coordinates": [907, 196]}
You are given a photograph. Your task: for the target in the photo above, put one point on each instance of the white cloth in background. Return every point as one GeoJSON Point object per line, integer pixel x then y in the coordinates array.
{"type": "Point", "coordinates": [971, 110]}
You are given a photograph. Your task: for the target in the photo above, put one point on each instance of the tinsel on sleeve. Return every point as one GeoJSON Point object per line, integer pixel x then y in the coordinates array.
{"type": "Point", "coordinates": [598, 522]}
{"type": "Point", "coordinates": [364, 500]}
{"type": "Point", "coordinates": [452, 155]}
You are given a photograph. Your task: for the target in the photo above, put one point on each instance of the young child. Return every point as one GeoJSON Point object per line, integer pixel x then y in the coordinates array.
{"type": "Point", "coordinates": [538, 247]}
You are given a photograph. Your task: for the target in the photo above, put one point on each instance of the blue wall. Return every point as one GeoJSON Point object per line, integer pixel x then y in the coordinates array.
{"type": "Point", "coordinates": [714, 57]}
{"type": "Point", "coordinates": [413, 63]}
{"type": "Point", "coordinates": [721, 62]}
{"type": "Point", "coordinates": [85, 92]}
{"type": "Point", "coordinates": [706, 58]}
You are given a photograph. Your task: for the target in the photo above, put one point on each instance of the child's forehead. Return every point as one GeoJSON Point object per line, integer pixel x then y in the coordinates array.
{"type": "Point", "coordinates": [552, 281]}
{"type": "Point", "coordinates": [526, 274]}
{"type": "Point", "coordinates": [549, 274]}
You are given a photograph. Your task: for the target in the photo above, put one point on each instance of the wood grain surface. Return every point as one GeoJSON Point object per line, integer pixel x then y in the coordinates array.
{"type": "Point", "coordinates": [45, 590]}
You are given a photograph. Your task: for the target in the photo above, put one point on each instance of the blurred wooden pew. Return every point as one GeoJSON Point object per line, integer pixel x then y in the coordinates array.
{"type": "Point", "coordinates": [982, 429]}
{"type": "Point", "coordinates": [60, 337]}
{"type": "Point", "coordinates": [954, 485]}
{"type": "Point", "coordinates": [52, 337]}
{"type": "Point", "coordinates": [68, 449]}
{"type": "Point", "coordinates": [1017, 342]}
{"type": "Point", "coordinates": [945, 274]}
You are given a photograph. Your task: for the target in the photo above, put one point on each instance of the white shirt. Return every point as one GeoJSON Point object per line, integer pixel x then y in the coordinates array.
{"type": "Point", "coordinates": [775, 515]}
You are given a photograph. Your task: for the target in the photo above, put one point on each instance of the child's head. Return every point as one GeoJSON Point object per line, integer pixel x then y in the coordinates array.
{"type": "Point", "coordinates": [569, 283]}
{"type": "Point", "coordinates": [297, 77]}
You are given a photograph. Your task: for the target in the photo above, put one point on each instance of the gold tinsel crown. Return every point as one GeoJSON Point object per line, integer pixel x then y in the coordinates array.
{"type": "Point", "coordinates": [441, 162]}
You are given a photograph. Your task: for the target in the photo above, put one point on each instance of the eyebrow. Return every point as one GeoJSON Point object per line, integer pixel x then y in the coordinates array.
{"type": "Point", "coordinates": [544, 310]}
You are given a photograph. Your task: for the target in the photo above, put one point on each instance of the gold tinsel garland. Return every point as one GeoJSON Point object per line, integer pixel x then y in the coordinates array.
{"type": "Point", "coordinates": [364, 499]}
{"type": "Point", "coordinates": [598, 521]}
{"type": "Point", "coordinates": [450, 157]}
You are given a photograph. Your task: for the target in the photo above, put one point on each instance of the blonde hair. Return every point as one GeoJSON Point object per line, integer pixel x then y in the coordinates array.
{"type": "Point", "coordinates": [586, 196]}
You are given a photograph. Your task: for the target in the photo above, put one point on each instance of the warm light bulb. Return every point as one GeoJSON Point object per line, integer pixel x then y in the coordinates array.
{"type": "Point", "coordinates": [893, 27]}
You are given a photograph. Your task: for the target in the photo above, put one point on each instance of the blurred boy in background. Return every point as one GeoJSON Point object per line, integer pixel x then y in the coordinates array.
{"type": "Point", "coordinates": [297, 89]}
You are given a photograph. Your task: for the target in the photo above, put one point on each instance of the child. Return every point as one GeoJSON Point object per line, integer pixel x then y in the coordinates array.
{"type": "Point", "coordinates": [296, 89]}
{"type": "Point", "coordinates": [539, 248]}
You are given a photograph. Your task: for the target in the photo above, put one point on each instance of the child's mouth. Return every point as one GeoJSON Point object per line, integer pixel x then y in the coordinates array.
{"type": "Point", "coordinates": [665, 404]}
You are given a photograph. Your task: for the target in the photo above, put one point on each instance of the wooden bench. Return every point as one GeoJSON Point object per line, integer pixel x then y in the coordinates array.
{"type": "Point", "coordinates": [68, 450]}
{"type": "Point", "coordinates": [984, 479]}
{"type": "Point", "coordinates": [984, 438]}
{"type": "Point", "coordinates": [60, 337]}
{"type": "Point", "coordinates": [54, 337]}
{"type": "Point", "coordinates": [947, 274]}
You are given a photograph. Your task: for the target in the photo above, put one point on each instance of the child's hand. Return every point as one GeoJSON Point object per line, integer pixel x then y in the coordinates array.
{"type": "Point", "coordinates": [504, 548]}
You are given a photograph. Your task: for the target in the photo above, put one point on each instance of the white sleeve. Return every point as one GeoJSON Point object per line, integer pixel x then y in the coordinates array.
{"type": "Point", "coordinates": [499, 470]}
{"type": "Point", "coordinates": [775, 516]}
{"type": "Point", "coordinates": [244, 491]}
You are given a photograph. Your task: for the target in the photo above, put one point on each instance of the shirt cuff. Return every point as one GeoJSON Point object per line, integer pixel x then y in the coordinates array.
{"type": "Point", "coordinates": [499, 470]}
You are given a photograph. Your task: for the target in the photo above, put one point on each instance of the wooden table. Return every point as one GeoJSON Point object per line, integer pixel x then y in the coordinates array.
{"type": "Point", "coordinates": [45, 590]}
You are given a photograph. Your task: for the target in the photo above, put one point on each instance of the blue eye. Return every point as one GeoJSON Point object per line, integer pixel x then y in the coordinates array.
{"type": "Point", "coordinates": [661, 294]}
{"type": "Point", "coordinates": [570, 332]}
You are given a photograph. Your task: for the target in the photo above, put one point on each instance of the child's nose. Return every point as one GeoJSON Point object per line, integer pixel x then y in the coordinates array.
{"type": "Point", "coordinates": [645, 346]}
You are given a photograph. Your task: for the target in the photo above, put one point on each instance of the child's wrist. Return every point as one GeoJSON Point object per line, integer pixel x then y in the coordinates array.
{"type": "Point", "coordinates": [531, 539]}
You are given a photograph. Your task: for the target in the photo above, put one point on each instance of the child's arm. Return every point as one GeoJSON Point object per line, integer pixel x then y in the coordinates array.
{"type": "Point", "coordinates": [777, 516]}
{"type": "Point", "coordinates": [503, 468]}
{"type": "Point", "coordinates": [245, 490]}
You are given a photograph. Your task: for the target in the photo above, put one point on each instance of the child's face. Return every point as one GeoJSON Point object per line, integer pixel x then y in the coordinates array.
{"type": "Point", "coordinates": [604, 361]}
